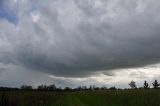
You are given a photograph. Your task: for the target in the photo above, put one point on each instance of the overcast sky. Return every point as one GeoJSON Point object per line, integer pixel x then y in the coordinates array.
{"type": "Point", "coordinates": [79, 42]}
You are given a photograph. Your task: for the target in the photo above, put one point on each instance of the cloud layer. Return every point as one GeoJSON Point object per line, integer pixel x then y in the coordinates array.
{"type": "Point", "coordinates": [79, 38]}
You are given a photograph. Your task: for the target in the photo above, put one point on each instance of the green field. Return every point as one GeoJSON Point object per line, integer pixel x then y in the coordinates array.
{"type": "Point", "coordinates": [81, 98]}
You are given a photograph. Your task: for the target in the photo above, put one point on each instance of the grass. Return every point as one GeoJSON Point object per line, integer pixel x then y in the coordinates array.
{"type": "Point", "coordinates": [112, 98]}
{"type": "Point", "coordinates": [29, 98]}
{"type": "Point", "coordinates": [81, 98]}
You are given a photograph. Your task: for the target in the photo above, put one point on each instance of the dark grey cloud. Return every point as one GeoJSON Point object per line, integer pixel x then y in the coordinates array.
{"type": "Point", "coordinates": [83, 37]}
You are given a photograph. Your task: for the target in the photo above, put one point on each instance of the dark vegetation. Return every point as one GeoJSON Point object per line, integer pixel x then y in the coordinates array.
{"type": "Point", "coordinates": [51, 95]}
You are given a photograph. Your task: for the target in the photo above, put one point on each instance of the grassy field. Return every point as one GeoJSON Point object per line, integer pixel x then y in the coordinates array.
{"type": "Point", "coordinates": [81, 98]}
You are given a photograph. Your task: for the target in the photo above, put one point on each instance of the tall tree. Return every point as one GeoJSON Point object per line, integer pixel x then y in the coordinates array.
{"type": "Point", "coordinates": [132, 84]}
{"type": "Point", "coordinates": [146, 85]}
{"type": "Point", "coordinates": [155, 84]}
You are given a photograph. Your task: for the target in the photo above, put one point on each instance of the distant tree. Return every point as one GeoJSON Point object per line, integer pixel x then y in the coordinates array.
{"type": "Point", "coordinates": [132, 84]}
{"type": "Point", "coordinates": [42, 87]}
{"type": "Point", "coordinates": [79, 88]}
{"type": "Point", "coordinates": [103, 87]}
{"type": "Point", "coordinates": [51, 87]}
{"type": "Point", "coordinates": [7, 89]}
{"type": "Point", "coordinates": [155, 84]}
{"type": "Point", "coordinates": [67, 89]}
{"type": "Point", "coordinates": [93, 87]}
{"type": "Point", "coordinates": [113, 88]}
{"type": "Point", "coordinates": [26, 87]}
{"type": "Point", "coordinates": [146, 85]}
{"type": "Point", "coordinates": [90, 88]}
{"type": "Point", "coordinates": [84, 87]}
{"type": "Point", "coordinates": [96, 88]}
{"type": "Point", "coordinates": [59, 89]}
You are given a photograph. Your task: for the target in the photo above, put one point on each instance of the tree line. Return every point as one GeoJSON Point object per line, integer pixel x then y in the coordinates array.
{"type": "Point", "coordinates": [132, 84]}
{"type": "Point", "coordinates": [155, 85]}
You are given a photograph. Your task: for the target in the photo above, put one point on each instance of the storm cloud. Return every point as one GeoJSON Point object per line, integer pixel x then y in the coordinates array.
{"type": "Point", "coordinates": [79, 38]}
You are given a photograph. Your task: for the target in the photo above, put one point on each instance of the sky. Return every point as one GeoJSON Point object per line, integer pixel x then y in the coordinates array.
{"type": "Point", "coordinates": [79, 42]}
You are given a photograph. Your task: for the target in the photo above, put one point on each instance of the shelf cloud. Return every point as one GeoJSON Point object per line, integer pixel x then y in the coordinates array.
{"type": "Point", "coordinates": [79, 38]}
